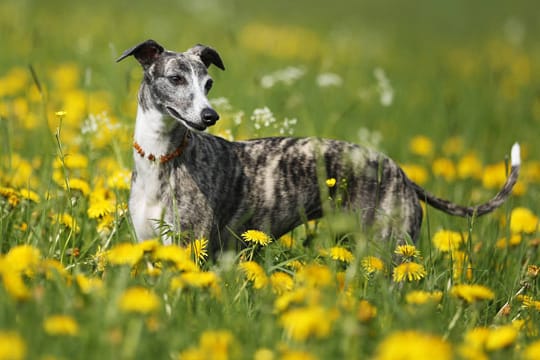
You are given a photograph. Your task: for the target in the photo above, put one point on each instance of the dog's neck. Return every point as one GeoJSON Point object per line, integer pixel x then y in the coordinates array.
{"type": "Point", "coordinates": [157, 134]}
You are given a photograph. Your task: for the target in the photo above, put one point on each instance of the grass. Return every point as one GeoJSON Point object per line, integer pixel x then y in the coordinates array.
{"type": "Point", "coordinates": [444, 89]}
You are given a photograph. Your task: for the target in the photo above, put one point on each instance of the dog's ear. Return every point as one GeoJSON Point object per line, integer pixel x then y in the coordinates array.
{"type": "Point", "coordinates": [145, 53]}
{"type": "Point", "coordinates": [208, 55]}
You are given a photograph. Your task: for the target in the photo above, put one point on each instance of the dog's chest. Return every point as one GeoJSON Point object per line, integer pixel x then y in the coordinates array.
{"type": "Point", "coordinates": [146, 203]}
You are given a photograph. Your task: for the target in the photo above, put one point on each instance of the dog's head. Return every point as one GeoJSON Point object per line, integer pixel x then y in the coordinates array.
{"type": "Point", "coordinates": [177, 83]}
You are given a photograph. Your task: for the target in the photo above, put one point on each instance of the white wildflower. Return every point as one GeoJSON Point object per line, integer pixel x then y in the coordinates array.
{"type": "Point", "coordinates": [287, 126]}
{"type": "Point", "coordinates": [384, 88]}
{"type": "Point", "coordinates": [221, 104]}
{"type": "Point", "coordinates": [514, 31]}
{"type": "Point", "coordinates": [369, 138]}
{"type": "Point", "coordinates": [286, 76]}
{"type": "Point", "coordinates": [237, 117]}
{"type": "Point", "coordinates": [329, 79]}
{"type": "Point", "coordinates": [262, 117]}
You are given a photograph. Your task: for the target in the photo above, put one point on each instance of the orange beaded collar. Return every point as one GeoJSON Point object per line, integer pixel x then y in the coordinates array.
{"type": "Point", "coordinates": [166, 157]}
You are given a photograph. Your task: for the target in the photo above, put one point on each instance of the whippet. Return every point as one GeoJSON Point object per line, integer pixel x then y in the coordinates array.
{"type": "Point", "coordinates": [205, 186]}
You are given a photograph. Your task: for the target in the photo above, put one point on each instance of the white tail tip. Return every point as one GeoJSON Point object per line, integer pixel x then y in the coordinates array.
{"type": "Point", "coordinates": [515, 156]}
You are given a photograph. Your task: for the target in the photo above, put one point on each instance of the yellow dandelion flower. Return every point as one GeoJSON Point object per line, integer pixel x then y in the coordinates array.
{"type": "Point", "coordinates": [421, 145]}
{"type": "Point", "coordinates": [470, 167]}
{"type": "Point", "coordinates": [257, 237]}
{"type": "Point", "coordinates": [14, 81]}
{"type": "Point", "coordinates": [533, 271]}
{"type": "Point", "coordinates": [195, 279]}
{"type": "Point", "coordinates": [51, 267]}
{"type": "Point", "coordinates": [476, 338]}
{"type": "Point", "coordinates": [338, 253]}
{"type": "Point", "coordinates": [416, 173]}
{"type": "Point", "coordinates": [264, 354]}
{"type": "Point", "coordinates": [66, 220]}
{"type": "Point", "coordinates": [472, 293]}
{"type": "Point", "coordinates": [446, 240]}
{"type": "Point", "coordinates": [150, 245]}
{"type": "Point", "coordinates": [12, 346]}
{"type": "Point", "coordinates": [372, 264]}
{"type": "Point", "coordinates": [61, 325]}
{"type": "Point", "coordinates": [468, 352]}
{"type": "Point", "coordinates": [29, 195]}
{"type": "Point", "coordinates": [295, 297]}
{"type": "Point", "coordinates": [407, 251]}
{"type": "Point", "coordinates": [255, 273]}
{"type": "Point", "coordinates": [199, 248]}
{"type": "Point", "coordinates": [77, 184]}
{"type": "Point", "coordinates": [295, 264]}
{"type": "Point", "coordinates": [297, 355]}
{"type": "Point", "coordinates": [420, 297]}
{"type": "Point", "coordinates": [314, 275]}
{"type": "Point", "coordinates": [531, 352]}
{"type": "Point", "coordinates": [461, 262]}
{"type": "Point", "coordinates": [494, 176]}
{"type": "Point", "coordinates": [21, 258]}
{"type": "Point", "coordinates": [88, 285]}
{"type": "Point", "coordinates": [124, 254]}
{"type": "Point", "coordinates": [523, 220]}
{"type": "Point", "coordinates": [192, 353]}
{"type": "Point", "coordinates": [98, 208]}
{"type": "Point", "coordinates": [281, 282]}
{"type": "Point", "coordinates": [366, 311]}
{"type": "Point", "coordinates": [331, 182]}
{"type": "Point", "coordinates": [8, 192]}
{"type": "Point", "coordinates": [66, 76]}
{"type": "Point", "coordinates": [14, 285]}
{"type": "Point", "coordinates": [72, 161]}
{"type": "Point", "coordinates": [312, 321]}
{"type": "Point", "coordinates": [139, 300]}
{"type": "Point", "coordinates": [501, 337]}
{"type": "Point", "coordinates": [503, 243]}
{"type": "Point", "coordinates": [410, 344]}
{"type": "Point", "coordinates": [177, 255]}
{"type": "Point", "coordinates": [120, 179]}
{"type": "Point", "coordinates": [287, 241]}
{"type": "Point", "coordinates": [445, 168]}
{"type": "Point", "coordinates": [409, 271]}
{"type": "Point", "coordinates": [216, 343]}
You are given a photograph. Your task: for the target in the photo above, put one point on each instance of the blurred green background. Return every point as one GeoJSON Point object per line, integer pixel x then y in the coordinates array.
{"type": "Point", "coordinates": [455, 67]}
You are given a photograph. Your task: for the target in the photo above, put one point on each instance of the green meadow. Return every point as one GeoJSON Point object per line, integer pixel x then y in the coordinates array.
{"type": "Point", "coordinates": [443, 88]}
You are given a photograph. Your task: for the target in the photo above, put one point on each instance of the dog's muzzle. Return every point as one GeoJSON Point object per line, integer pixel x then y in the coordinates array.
{"type": "Point", "coordinates": [209, 116]}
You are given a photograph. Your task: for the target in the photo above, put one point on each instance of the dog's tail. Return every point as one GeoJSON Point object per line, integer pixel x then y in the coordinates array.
{"type": "Point", "coordinates": [464, 211]}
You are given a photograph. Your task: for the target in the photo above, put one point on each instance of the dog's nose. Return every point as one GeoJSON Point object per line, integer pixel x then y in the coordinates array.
{"type": "Point", "coordinates": [209, 116]}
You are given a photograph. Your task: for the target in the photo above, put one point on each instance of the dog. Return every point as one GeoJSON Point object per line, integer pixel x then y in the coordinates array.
{"type": "Point", "coordinates": [200, 185]}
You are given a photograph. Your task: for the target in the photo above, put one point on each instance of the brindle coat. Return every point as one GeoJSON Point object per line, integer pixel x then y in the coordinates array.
{"type": "Point", "coordinates": [215, 188]}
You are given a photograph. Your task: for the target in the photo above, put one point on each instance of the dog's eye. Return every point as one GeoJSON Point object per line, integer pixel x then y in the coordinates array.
{"type": "Point", "coordinates": [177, 80]}
{"type": "Point", "coordinates": [208, 85]}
